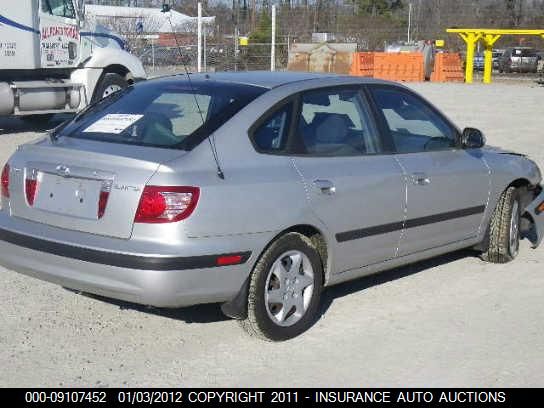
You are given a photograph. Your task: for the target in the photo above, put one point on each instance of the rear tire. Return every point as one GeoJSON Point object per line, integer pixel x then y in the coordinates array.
{"type": "Point", "coordinates": [504, 228]}
{"type": "Point", "coordinates": [285, 289]}
{"type": "Point", "coordinates": [109, 84]}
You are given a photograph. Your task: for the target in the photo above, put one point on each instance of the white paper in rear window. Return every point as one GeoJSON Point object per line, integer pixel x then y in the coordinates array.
{"type": "Point", "coordinates": [113, 123]}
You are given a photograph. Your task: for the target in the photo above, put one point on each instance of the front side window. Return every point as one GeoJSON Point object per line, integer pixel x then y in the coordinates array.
{"type": "Point", "coordinates": [172, 113]}
{"type": "Point", "coordinates": [335, 122]}
{"type": "Point", "coordinates": [413, 124]}
{"type": "Point", "coordinates": [59, 8]}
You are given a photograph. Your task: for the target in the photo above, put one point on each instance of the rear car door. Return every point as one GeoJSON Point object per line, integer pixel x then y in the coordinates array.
{"type": "Point", "coordinates": [448, 187]}
{"type": "Point", "coordinates": [354, 186]}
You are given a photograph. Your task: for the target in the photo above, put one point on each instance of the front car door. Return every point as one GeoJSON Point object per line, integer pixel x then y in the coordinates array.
{"type": "Point", "coordinates": [447, 186]}
{"type": "Point", "coordinates": [354, 185]}
{"type": "Point", "coordinates": [59, 34]}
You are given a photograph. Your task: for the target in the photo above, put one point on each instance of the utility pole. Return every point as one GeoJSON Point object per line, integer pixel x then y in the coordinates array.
{"type": "Point", "coordinates": [199, 38]}
{"type": "Point", "coordinates": [236, 21]}
{"type": "Point", "coordinates": [273, 49]}
{"type": "Point", "coordinates": [236, 49]}
{"type": "Point", "coordinates": [204, 50]}
{"type": "Point", "coordinates": [409, 22]}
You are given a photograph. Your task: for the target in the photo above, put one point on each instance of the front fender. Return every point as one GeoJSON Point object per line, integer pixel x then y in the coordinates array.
{"type": "Point", "coordinates": [104, 57]}
{"type": "Point", "coordinates": [88, 77]}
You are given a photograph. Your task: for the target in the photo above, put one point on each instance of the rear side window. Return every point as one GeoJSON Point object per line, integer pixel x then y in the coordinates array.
{"type": "Point", "coordinates": [335, 122]}
{"type": "Point", "coordinates": [170, 113]}
{"type": "Point", "coordinates": [271, 135]}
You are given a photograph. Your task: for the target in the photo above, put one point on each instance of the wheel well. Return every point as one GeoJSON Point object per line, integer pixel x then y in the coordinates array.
{"type": "Point", "coordinates": [119, 70]}
{"type": "Point", "coordinates": [315, 236]}
{"type": "Point", "coordinates": [113, 69]}
{"type": "Point", "coordinates": [318, 240]}
{"type": "Point", "coordinates": [528, 193]}
{"type": "Point", "coordinates": [524, 185]}
{"type": "Point", "coordinates": [521, 182]}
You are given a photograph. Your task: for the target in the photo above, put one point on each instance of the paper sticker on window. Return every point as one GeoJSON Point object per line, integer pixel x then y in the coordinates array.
{"type": "Point", "coordinates": [113, 123]}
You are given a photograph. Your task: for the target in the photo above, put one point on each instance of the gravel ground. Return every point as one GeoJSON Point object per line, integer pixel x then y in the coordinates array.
{"type": "Point", "coordinates": [449, 321]}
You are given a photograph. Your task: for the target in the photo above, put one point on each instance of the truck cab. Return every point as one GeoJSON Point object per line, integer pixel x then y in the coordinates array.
{"type": "Point", "coordinates": [53, 60]}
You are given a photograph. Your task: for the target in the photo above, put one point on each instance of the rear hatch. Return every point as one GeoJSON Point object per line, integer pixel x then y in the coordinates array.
{"type": "Point", "coordinates": [524, 58]}
{"type": "Point", "coordinates": [92, 177]}
{"type": "Point", "coordinates": [74, 184]}
{"type": "Point", "coordinates": [529, 60]}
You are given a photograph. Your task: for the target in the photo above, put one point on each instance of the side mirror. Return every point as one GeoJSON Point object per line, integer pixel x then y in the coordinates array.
{"type": "Point", "coordinates": [472, 138]}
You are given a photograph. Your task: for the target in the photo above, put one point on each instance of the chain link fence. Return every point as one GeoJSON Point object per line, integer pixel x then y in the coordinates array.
{"type": "Point", "coordinates": [162, 60]}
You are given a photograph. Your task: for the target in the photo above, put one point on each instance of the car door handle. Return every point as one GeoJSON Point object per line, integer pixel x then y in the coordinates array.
{"type": "Point", "coordinates": [325, 186]}
{"type": "Point", "coordinates": [421, 179]}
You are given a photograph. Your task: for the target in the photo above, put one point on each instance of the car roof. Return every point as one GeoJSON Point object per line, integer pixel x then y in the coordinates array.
{"type": "Point", "coordinates": [267, 79]}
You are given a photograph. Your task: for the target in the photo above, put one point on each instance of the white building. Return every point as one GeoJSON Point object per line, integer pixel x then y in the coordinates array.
{"type": "Point", "coordinates": [136, 20]}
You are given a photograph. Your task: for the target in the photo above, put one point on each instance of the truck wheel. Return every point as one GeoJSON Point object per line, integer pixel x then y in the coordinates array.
{"type": "Point", "coordinates": [109, 84]}
{"type": "Point", "coordinates": [504, 229]}
{"type": "Point", "coordinates": [284, 290]}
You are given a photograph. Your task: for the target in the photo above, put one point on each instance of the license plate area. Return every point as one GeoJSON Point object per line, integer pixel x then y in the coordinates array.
{"type": "Point", "coordinates": [71, 196]}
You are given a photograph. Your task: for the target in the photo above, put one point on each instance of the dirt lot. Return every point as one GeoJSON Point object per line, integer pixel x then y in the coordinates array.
{"type": "Point", "coordinates": [450, 321]}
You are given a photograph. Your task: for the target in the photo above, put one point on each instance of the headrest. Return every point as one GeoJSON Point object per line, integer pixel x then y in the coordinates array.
{"type": "Point", "coordinates": [331, 127]}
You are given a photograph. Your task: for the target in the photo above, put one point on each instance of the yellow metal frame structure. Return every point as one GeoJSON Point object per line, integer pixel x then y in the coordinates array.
{"type": "Point", "coordinates": [489, 37]}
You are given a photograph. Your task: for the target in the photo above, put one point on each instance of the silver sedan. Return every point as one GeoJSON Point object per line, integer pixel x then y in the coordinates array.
{"type": "Point", "coordinates": [257, 190]}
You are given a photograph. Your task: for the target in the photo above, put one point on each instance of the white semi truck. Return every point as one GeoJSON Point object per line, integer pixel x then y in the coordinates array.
{"type": "Point", "coordinates": [53, 61]}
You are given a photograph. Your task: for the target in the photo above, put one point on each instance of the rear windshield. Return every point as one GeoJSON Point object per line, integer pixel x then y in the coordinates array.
{"type": "Point", "coordinates": [523, 53]}
{"type": "Point", "coordinates": [173, 113]}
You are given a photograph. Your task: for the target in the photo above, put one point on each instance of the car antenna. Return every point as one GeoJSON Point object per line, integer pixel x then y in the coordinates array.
{"type": "Point", "coordinates": [167, 10]}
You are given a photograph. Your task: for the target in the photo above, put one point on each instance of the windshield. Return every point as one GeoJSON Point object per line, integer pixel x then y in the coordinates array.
{"type": "Point", "coordinates": [60, 8]}
{"type": "Point", "coordinates": [162, 113]}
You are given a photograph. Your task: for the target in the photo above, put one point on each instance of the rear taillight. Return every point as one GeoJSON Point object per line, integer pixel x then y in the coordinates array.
{"type": "Point", "coordinates": [102, 202]}
{"type": "Point", "coordinates": [166, 204]}
{"type": "Point", "coordinates": [103, 197]}
{"type": "Point", "coordinates": [5, 181]}
{"type": "Point", "coordinates": [31, 186]}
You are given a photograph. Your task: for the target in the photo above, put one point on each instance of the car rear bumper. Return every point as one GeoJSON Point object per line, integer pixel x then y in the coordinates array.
{"type": "Point", "coordinates": [537, 232]}
{"type": "Point", "coordinates": [161, 281]}
{"type": "Point", "coordinates": [523, 67]}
